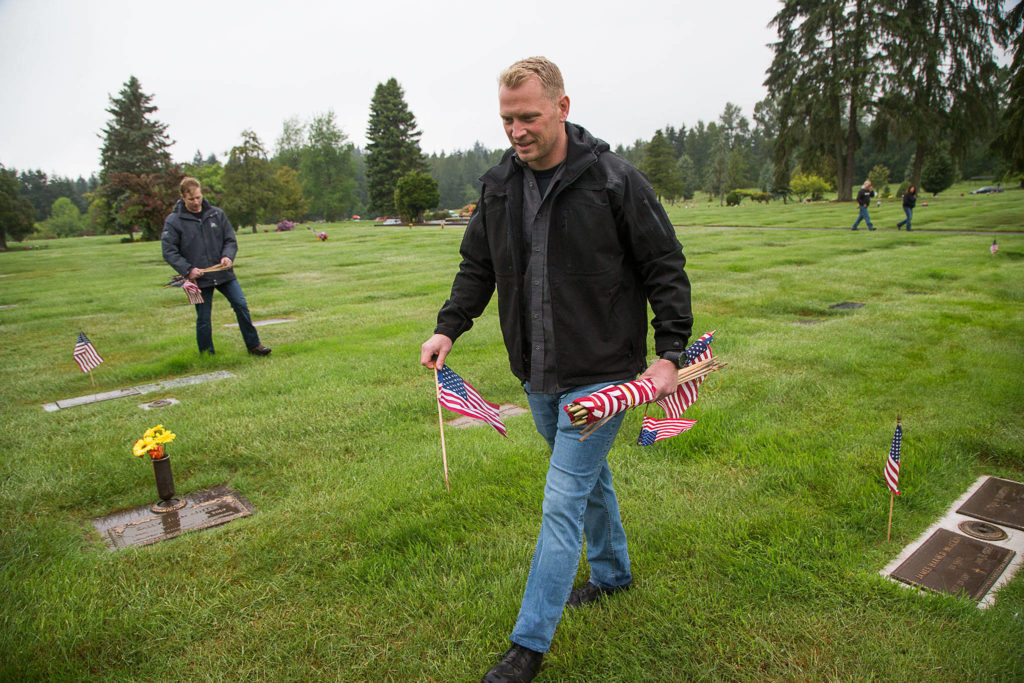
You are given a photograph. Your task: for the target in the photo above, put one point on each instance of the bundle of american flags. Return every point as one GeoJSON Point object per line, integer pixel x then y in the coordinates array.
{"type": "Point", "coordinates": [595, 409]}
{"type": "Point", "coordinates": [195, 295]}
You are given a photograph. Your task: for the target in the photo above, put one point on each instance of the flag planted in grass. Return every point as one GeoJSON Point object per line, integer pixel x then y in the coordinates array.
{"type": "Point", "coordinates": [85, 353]}
{"type": "Point", "coordinates": [892, 463]}
{"type": "Point", "coordinates": [458, 396]}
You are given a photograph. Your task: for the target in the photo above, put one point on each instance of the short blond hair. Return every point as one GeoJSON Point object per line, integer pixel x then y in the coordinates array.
{"type": "Point", "coordinates": [541, 67]}
{"type": "Point", "coordinates": [186, 184]}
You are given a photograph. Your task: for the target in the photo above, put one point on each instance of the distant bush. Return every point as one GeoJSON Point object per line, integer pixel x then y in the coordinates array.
{"type": "Point", "coordinates": [760, 197]}
{"type": "Point", "coordinates": [733, 198]}
{"type": "Point", "coordinates": [285, 226]}
{"type": "Point", "coordinates": [438, 215]}
{"type": "Point", "coordinates": [804, 184]}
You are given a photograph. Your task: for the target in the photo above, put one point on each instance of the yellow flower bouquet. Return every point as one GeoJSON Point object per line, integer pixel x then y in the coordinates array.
{"type": "Point", "coordinates": [152, 442]}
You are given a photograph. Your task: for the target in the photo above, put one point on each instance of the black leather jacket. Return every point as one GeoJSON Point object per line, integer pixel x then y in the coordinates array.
{"type": "Point", "coordinates": [611, 249]}
{"type": "Point", "coordinates": [188, 243]}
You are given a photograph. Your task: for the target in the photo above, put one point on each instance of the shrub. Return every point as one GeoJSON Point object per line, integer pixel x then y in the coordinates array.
{"type": "Point", "coordinates": [733, 198]}
{"type": "Point", "coordinates": [284, 226]}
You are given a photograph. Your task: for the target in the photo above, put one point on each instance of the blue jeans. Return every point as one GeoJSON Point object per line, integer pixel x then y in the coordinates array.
{"type": "Point", "coordinates": [910, 214]}
{"type": "Point", "coordinates": [232, 291]}
{"type": "Point", "coordinates": [578, 499]}
{"type": "Point", "coordinates": [863, 216]}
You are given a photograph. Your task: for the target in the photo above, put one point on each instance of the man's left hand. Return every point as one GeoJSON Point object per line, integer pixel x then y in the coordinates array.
{"type": "Point", "coordinates": [665, 376]}
{"type": "Point", "coordinates": [226, 262]}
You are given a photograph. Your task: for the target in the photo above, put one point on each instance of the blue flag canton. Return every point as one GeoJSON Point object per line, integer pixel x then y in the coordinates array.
{"type": "Point", "coordinates": [450, 381]}
{"type": "Point", "coordinates": [647, 437]}
{"type": "Point", "coordinates": [897, 438]}
{"type": "Point", "coordinates": [695, 349]}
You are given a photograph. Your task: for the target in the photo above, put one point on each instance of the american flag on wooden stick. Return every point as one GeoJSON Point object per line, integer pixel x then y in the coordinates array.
{"type": "Point", "coordinates": [195, 295]}
{"type": "Point", "coordinates": [655, 430]}
{"type": "Point", "coordinates": [892, 463]}
{"type": "Point", "coordinates": [686, 393]}
{"type": "Point", "coordinates": [456, 395]}
{"type": "Point", "coordinates": [85, 354]}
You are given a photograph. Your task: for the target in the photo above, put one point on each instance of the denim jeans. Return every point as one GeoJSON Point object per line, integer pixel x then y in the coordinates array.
{"type": "Point", "coordinates": [863, 216]}
{"type": "Point", "coordinates": [910, 214]}
{"type": "Point", "coordinates": [232, 291]}
{"type": "Point", "coordinates": [578, 499]}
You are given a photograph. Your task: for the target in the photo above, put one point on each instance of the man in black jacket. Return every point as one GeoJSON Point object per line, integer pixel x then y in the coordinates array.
{"type": "Point", "coordinates": [198, 235]}
{"type": "Point", "coordinates": [576, 244]}
{"type": "Point", "coordinates": [864, 196]}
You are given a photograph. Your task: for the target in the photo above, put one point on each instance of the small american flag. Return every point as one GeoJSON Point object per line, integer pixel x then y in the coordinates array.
{"type": "Point", "coordinates": [656, 430]}
{"type": "Point", "coordinates": [85, 355]}
{"type": "Point", "coordinates": [686, 393]}
{"type": "Point", "coordinates": [892, 463]}
{"type": "Point", "coordinates": [994, 248]}
{"type": "Point", "coordinates": [195, 295]}
{"type": "Point", "coordinates": [455, 395]}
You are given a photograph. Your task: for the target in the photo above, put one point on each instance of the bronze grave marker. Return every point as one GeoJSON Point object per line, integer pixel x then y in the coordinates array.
{"type": "Point", "coordinates": [200, 510]}
{"type": "Point", "coordinates": [951, 563]}
{"type": "Point", "coordinates": [999, 501]}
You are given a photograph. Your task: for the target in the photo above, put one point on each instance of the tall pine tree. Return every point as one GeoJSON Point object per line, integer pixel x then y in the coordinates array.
{"type": "Point", "coordinates": [822, 79]}
{"type": "Point", "coordinates": [393, 148]}
{"type": "Point", "coordinates": [248, 181]}
{"type": "Point", "coordinates": [940, 76]}
{"type": "Point", "coordinates": [134, 155]}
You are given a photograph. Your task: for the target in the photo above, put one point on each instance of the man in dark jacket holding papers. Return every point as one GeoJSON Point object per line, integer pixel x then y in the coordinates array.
{"type": "Point", "coordinates": [576, 244]}
{"type": "Point", "coordinates": [197, 236]}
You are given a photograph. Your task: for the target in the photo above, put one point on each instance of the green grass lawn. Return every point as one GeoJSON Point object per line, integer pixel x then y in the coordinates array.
{"type": "Point", "coordinates": [954, 209]}
{"type": "Point", "coordinates": [756, 538]}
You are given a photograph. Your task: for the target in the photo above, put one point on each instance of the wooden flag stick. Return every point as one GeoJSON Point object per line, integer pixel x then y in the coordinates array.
{"type": "Point", "coordinates": [888, 533]}
{"type": "Point", "coordinates": [92, 380]}
{"type": "Point", "coordinates": [440, 422]}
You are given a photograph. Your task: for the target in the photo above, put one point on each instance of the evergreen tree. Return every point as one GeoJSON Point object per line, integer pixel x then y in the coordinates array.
{"type": "Point", "coordinates": [288, 150]}
{"type": "Point", "coordinates": [938, 173]}
{"type": "Point", "coordinates": [248, 181]}
{"type": "Point", "coordinates": [328, 176]}
{"type": "Point", "coordinates": [659, 165]}
{"type": "Point", "coordinates": [16, 213]}
{"type": "Point", "coordinates": [1010, 139]}
{"type": "Point", "coordinates": [285, 200]}
{"type": "Point", "coordinates": [822, 80]}
{"type": "Point", "coordinates": [415, 192]}
{"type": "Point", "coordinates": [393, 148]}
{"type": "Point", "coordinates": [134, 145]}
{"type": "Point", "coordinates": [941, 78]}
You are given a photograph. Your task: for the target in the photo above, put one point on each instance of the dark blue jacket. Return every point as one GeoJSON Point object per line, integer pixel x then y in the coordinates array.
{"type": "Point", "coordinates": [610, 250]}
{"type": "Point", "coordinates": [189, 243]}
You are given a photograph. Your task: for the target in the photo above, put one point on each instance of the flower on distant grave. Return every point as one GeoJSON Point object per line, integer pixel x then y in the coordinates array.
{"type": "Point", "coordinates": [152, 442]}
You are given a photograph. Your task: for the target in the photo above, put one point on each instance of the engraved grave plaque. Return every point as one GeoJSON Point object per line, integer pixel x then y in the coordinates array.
{"type": "Point", "coordinates": [950, 563]}
{"type": "Point", "coordinates": [845, 306]}
{"type": "Point", "coordinates": [999, 501]}
{"type": "Point", "coordinates": [199, 510]}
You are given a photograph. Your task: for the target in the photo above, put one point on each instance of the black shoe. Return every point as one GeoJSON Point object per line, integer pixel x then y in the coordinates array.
{"type": "Point", "coordinates": [899, 226]}
{"type": "Point", "coordinates": [870, 228]}
{"type": "Point", "coordinates": [591, 592]}
{"type": "Point", "coordinates": [260, 350]}
{"type": "Point", "coordinates": [519, 665]}
{"type": "Point", "coordinates": [853, 228]}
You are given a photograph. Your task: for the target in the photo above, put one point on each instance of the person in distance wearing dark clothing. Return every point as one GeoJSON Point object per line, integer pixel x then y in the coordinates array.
{"type": "Point", "coordinates": [198, 235]}
{"type": "Point", "coordinates": [909, 201]}
{"type": "Point", "coordinates": [863, 202]}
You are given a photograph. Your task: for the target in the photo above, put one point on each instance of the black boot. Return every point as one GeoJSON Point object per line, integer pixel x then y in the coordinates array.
{"type": "Point", "coordinates": [519, 665]}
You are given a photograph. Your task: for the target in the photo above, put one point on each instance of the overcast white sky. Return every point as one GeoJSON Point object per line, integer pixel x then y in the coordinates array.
{"type": "Point", "coordinates": [218, 67]}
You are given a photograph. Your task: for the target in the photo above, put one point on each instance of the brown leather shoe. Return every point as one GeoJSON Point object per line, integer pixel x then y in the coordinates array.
{"type": "Point", "coordinates": [260, 350]}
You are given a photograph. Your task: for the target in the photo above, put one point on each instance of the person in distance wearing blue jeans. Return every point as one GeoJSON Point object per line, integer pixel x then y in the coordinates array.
{"type": "Point", "coordinates": [576, 244]}
{"type": "Point", "coordinates": [198, 235]}
{"type": "Point", "coordinates": [863, 202]}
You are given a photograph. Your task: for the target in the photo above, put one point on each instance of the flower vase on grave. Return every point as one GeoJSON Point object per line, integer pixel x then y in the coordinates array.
{"type": "Point", "coordinates": [164, 482]}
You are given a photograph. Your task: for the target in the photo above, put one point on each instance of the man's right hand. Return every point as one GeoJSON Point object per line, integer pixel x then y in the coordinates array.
{"type": "Point", "coordinates": [434, 351]}
{"type": "Point", "coordinates": [195, 274]}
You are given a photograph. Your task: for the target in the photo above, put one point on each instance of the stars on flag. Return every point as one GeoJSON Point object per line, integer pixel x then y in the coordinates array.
{"type": "Point", "coordinates": [655, 430]}
{"type": "Point", "coordinates": [85, 354]}
{"type": "Point", "coordinates": [458, 396]}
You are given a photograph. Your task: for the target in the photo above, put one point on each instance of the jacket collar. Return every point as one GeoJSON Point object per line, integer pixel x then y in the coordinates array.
{"type": "Point", "coordinates": [583, 151]}
{"type": "Point", "coordinates": [179, 208]}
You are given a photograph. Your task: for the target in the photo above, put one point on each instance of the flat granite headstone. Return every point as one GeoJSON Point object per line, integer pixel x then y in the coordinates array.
{"type": "Point", "coordinates": [200, 510]}
{"type": "Point", "coordinates": [6, 306]}
{"type": "Point", "coordinates": [137, 390]}
{"type": "Point", "coordinates": [845, 306]}
{"type": "Point", "coordinates": [505, 410]}
{"type": "Point", "coordinates": [260, 323]}
{"type": "Point", "coordinates": [952, 563]}
{"type": "Point", "coordinates": [999, 501]}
